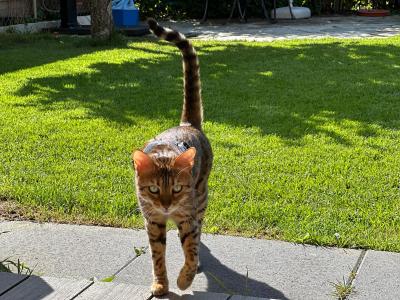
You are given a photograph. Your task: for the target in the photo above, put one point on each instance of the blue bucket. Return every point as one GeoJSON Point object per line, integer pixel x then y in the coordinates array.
{"type": "Point", "coordinates": [125, 13]}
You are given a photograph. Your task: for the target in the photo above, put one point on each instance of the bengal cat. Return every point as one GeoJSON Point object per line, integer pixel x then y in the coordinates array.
{"type": "Point", "coordinates": [172, 172]}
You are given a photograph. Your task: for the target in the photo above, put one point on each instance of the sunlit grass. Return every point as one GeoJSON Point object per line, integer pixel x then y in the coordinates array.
{"type": "Point", "coordinates": [305, 133]}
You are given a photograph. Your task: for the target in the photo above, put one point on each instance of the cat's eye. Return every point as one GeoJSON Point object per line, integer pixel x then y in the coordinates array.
{"type": "Point", "coordinates": [154, 189]}
{"type": "Point", "coordinates": [177, 188]}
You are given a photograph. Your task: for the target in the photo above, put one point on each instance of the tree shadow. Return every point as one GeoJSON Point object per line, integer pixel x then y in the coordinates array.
{"type": "Point", "coordinates": [115, 92]}
{"type": "Point", "coordinates": [329, 89]}
{"type": "Point", "coordinates": [23, 51]}
{"type": "Point", "coordinates": [222, 279]}
{"type": "Point", "coordinates": [298, 90]}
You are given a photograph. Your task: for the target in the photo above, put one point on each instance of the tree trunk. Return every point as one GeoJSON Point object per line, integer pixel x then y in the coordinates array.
{"type": "Point", "coordinates": [101, 18]}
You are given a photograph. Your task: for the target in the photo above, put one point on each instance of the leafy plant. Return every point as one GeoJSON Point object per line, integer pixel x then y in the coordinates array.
{"type": "Point", "coordinates": [19, 267]}
{"type": "Point", "coordinates": [179, 9]}
{"type": "Point", "coordinates": [139, 250]}
{"type": "Point", "coordinates": [342, 289]}
{"type": "Point", "coordinates": [108, 279]}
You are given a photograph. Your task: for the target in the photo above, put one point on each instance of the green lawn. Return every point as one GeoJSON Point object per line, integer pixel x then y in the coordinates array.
{"type": "Point", "coordinates": [305, 133]}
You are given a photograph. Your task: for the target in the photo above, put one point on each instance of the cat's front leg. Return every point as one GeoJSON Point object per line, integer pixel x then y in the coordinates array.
{"type": "Point", "coordinates": [189, 236]}
{"type": "Point", "coordinates": [157, 239]}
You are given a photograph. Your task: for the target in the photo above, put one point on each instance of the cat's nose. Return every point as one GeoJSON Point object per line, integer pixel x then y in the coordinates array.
{"type": "Point", "coordinates": [165, 201]}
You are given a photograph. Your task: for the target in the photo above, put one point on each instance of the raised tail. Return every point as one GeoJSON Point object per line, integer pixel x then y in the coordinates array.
{"type": "Point", "coordinates": [192, 111]}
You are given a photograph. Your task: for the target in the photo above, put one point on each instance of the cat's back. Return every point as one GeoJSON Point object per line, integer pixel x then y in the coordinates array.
{"type": "Point", "coordinates": [189, 135]}
{"type": "Point", "coordinates": [185, 137]}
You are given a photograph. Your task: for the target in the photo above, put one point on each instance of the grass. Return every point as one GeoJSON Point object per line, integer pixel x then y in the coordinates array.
{"type": "Point", "coordinates": [342, 290]}
{"type": "Point", "coordinates": [305, 133]}
{"type": "Point", "coordinates": [18, 267]}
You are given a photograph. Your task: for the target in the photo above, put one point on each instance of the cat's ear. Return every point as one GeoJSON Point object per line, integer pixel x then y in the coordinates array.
{"type": "Point", "coordinates": [186, 159]}
{"type": "Point", "coordinates": [142, 162]}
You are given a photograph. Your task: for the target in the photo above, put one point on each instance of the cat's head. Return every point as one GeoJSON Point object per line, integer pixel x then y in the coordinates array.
{"type": "Point", "coordinates": [163, 182]}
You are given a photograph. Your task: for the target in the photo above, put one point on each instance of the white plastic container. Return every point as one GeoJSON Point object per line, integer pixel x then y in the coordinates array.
{"type": "Point", "coordinates": [298, 12]}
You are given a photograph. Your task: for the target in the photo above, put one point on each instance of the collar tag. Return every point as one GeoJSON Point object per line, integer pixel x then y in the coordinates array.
{"type": "Point", "coordinates": [183, 146]}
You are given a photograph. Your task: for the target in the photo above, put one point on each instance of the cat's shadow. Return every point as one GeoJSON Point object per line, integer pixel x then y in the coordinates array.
{"type": "Point", "coordinates": [222, 279]}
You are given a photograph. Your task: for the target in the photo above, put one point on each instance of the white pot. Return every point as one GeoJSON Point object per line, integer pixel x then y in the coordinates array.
{"type": "Point", "coordinates": [298, 12]}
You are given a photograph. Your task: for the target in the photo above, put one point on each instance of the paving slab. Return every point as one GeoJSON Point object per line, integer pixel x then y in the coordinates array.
{"type": "Point", "coordinates": [114, 291]}
{"type": "Point", "coordinates": [314, 28]}
{"type": "Point", "coordinates": [378, 277]}
{"type": "Point", "coordinates": [46, 288]}
{"type": "Point", "coordinates": [73, 251]}
{"type": "Point", "coordinates": [237, 297]}
{"type": "Point", "coordinates": [182, 295]}
{"type": "Point", "coordinates": [8, 280]}
{"type": "Point", "coordinates": [33, 288]}
{"type": "Point", "coordinates": [252, 267]}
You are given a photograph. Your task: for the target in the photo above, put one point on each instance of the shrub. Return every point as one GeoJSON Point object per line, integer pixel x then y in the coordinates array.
{"type": "Point", "coordinates": [180, 9]}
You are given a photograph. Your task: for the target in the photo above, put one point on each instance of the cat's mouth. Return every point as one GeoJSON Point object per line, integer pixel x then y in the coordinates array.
{"type": "Point", "coordinates": [166, 211]}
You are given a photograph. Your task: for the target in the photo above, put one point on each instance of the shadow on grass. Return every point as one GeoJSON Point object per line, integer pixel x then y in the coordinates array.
{"type": "Point", "coordinates": [23, 51]}
{"type": "Point", "coordinates": [331, 89]}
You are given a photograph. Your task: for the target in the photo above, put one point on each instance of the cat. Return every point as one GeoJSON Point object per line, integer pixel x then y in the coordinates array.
{"type": "Point", "coordinates": [171, 174]}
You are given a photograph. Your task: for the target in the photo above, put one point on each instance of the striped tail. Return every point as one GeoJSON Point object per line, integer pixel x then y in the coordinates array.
{"type": "Point", "coordinates": [192, 111]}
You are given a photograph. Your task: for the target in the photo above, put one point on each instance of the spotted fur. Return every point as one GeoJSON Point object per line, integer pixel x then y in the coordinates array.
{"type": "Point", "coordinates": [180, 158]}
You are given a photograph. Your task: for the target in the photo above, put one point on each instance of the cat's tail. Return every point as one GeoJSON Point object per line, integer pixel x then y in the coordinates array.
{"type": "Point", "coordinates": [192, 111]}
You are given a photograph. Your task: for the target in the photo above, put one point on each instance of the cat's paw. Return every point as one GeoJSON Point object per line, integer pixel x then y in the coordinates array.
{"type": "Point", "coordinates": [159, 289]}
{"type": "Point", "coordinates": [185, 278]}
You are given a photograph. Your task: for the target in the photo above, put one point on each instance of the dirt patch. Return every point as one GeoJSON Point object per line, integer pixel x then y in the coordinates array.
{"type": "Point", "coordinates": [9, 210]}
{"type": "Point", "coordinates": [12, 210]}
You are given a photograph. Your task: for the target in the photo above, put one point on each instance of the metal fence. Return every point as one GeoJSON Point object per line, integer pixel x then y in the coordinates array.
{"type": "Point", "coordinates": [26, 11]}
{"type": "Point", "coordinates": [15, 11]}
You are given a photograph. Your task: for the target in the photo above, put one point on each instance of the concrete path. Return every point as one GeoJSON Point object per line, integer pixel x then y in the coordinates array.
{"type": "Point", "coordinates": [229, 265]}
{"type": "Point", "coordinates": [316, 27]}
{"type": "Point", "coordinates": [22, 287]}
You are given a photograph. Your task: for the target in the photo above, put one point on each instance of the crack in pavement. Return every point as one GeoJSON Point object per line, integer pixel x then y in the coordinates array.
{"type": "Point", "coordinates": [129, 262]}
{"type": "Point", "coordinates": [357, 266]}
{"type": "Point", "coordinates": [354, 272]}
